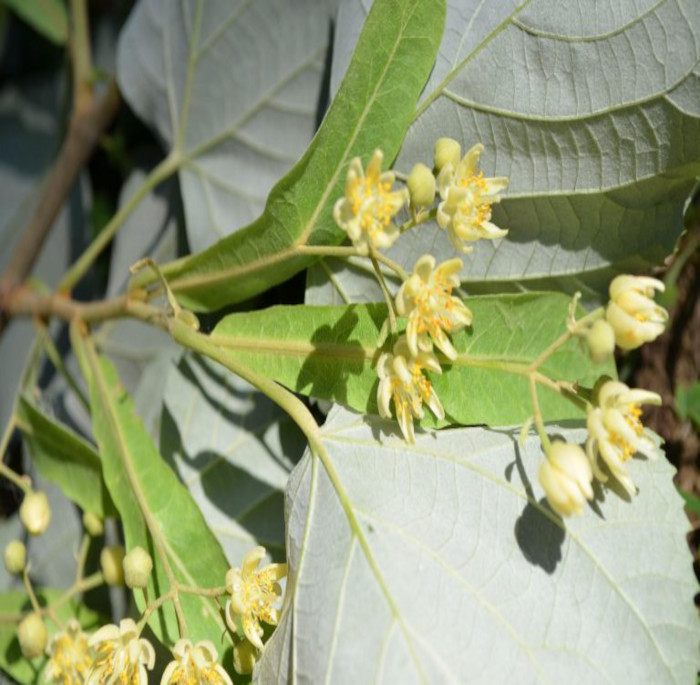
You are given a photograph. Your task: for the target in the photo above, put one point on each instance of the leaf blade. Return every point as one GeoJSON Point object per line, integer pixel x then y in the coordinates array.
{"type": "Point", "coordinates": [485, 581]}
{"type": "Point", "coordinates": [394, 56]}
{"type": "Point", "coordinates": [330, 352]}
{"type": "Point", "coordinates": [157, 512]}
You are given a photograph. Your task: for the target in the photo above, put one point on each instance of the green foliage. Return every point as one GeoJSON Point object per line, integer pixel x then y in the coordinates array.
{"type": "Point", "coordinates": [331, 352]}
{"type": "Point", "coordinates": [584, 115]}
{"type": "Point", "coordinates": [64, 458]}
{"type": "Point", "coordinates": [372, 109]}
{"type": "Point", "coordinates": [236, 469]}
{"type": "Point", "coordinates": [157, 512]}
{"type": "Point", "coordinates": [449, 558]}
{"type": "Point", "coordinates": [688, 403]}
{"type": "Point", "coordinates": [48, 17]}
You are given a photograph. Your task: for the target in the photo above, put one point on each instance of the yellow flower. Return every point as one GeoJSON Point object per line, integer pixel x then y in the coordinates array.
{"type": "Point", "coordinates": [465, 210]}
{"type": "Point", "coordinates": [426, 299]}
{"type": "Point", "coordinates": [632, 312]}
{"type": "Point", "coordinates": [69, 656]}
{"type": "Point", "coordinates": [194, 665]}
{"type": "Point", "coordinates": [122, 656]}
{"type": "Point", "coordinates": [615, 431]}
{"type": "Point", "coordinates": [566, 477]}
{"type": "Point", "coordinates": [254, 594]}
{"type": "Point", "coordinates": [369, 205]}
{"type": "Point", "coordinates": [401, 379]}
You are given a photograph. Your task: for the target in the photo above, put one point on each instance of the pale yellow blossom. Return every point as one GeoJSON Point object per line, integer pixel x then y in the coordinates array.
{"type": "Point", "coordinates": [467, 197]}
{"type": "Point", "coordinates": [70, 657]}
{"type": "Point", "coordinates": [195, 665]}
{"type": "Point", "coordinates": [615, 431]}
{"type": "Point", "coordinates": [433, 312]}
{"type": "Point", "coordinates": [566, 475]}
{"type": "Point", "coordinates": [121, 655]}
{"type": "Point", "coordinates": [632, 312]}
{"type": "Point", "coordinates": [369, 205]}
{"type": "Point", "coordinates": [255, 594]}
{"type": "Point", "coordinates": [402, 379]}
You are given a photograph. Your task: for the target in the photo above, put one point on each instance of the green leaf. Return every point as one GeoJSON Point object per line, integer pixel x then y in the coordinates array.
{"type": "Point", "coordinates": [442, 563]}
{"type": "Point", "coordinates": [237, 468]}
{"type": "Point", "coordinates": [372, 110]}
{"type": "Point", "coordinates": [48, 17]}
{"type": "Point", "coordinates": [594, 116]}
{"type": "Point", "coordinates": [156, 510]}
{"type": "Point", "coordinates": [14, 604]}
{"type": "Point", "coordinates": [331, 352]}
{"type": "Point", "coordinates": [232, 89]}
{"type": "Point", "coordinates": [64, 458]}
{"type": "Point", "coordinates": [688, 403]}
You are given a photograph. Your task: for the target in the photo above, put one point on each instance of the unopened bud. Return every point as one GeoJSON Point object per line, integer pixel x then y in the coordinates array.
{"type": "Point", "coordinates": [32, 636]}
{"type": "Point", "coordinates": [35, 513]}
{"type": "Point", "coordinates": [15, 557]}
{"type": "Point", "coordinates": [244, 657]}
{"type": "Point", "coordinates": [137, 567]}
{"type": "Point", "coordinates": [93, 524]}
{"type": "Point", "coordinates": [112, 563]}
{"type": "Point", "coordinates": [601, 341]}
{"type": "Point", "coordinates": [447, 151]}
{"type": "Point", "coordinates": [421, 186]}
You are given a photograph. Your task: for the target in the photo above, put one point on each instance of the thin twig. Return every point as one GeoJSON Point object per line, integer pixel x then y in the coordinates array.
{"type": "Point", "coordinates": [84, 132]}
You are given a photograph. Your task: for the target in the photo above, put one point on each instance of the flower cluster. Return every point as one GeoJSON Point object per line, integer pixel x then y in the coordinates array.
{"type": "Point", "coordinates": [121, 655]}
{"type": "Point", "coordinates": [70, 657]}
{"type": "Point", "coordinates": [195, 664]}
{"type": "Point", "coordinates": [369, 205]}
{"type": "Point", "coordinates": [615, 430]}
{"type": "Point", "coordinates": [615, 435]}
{"type": "Point", "coordinates": [255, 597]}
{"type": "Point", "coordinates": [426, 298]}
{"type": "Point", "coordinates": [467, 197]}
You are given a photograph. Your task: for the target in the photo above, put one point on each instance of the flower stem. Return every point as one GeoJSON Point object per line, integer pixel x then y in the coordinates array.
{"type": "Point", "coordinates": [387, 295]}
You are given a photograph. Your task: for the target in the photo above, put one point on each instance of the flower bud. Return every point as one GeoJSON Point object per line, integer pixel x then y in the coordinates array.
{"type": "Point", "coordinates": [137, 568]}
{"type": "Point", "coordinates": [32, 636]}
{"type": "Point", "coordinates": [35, 513]}
{"type": "Point", "coordinates": [601, 341]}
{"type": "Point", "coordinates": [244, 657]}
{"type": "Point", "coordinates": [112, 563]}
{"type": "Point", "coordinates": [632, 312]}
{"type": "Point", "coordinates": [93, 524]}
{"type": "Point", "coordinates": [447, 151]}
{"type": "Point", "coordinates": [566, 475]}
{"type": "Point", "coordinates": [15, 557]}
{"type": "Point", "coordinates": [421, 186]}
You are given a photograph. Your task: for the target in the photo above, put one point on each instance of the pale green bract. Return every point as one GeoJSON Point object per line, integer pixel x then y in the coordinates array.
{"type": "Point", "coordinates": [442, 563]}
{"type": "Point", "coordinates": [591, 109]}
{"type": "Point", "coordinates": [232, 88]}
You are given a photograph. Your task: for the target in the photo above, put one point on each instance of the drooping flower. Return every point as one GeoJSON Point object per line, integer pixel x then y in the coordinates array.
{"type": "Point", "coordinates": [433, 312]}
{"type": "Point", "coordinates": [121, 655]}
{"type": "Point", "coordinates": [369, 205]}
{"type": "Point", "coordinates": [254, 595]}
{"type": "Point", "coordinates": [632, 312]}
{"type": "Point", "coordinates": [70, 657]}
{"type": "Point", "coordinates": [402, 380]}
{"type": "Point", "coordinates": [566, 475]}
{"type": "Point", "coordinates": [615, 431]}
{"type": "Point", "coordinates": [467, 197]}
{"type": "Point", "coordinates": [195, 665]}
